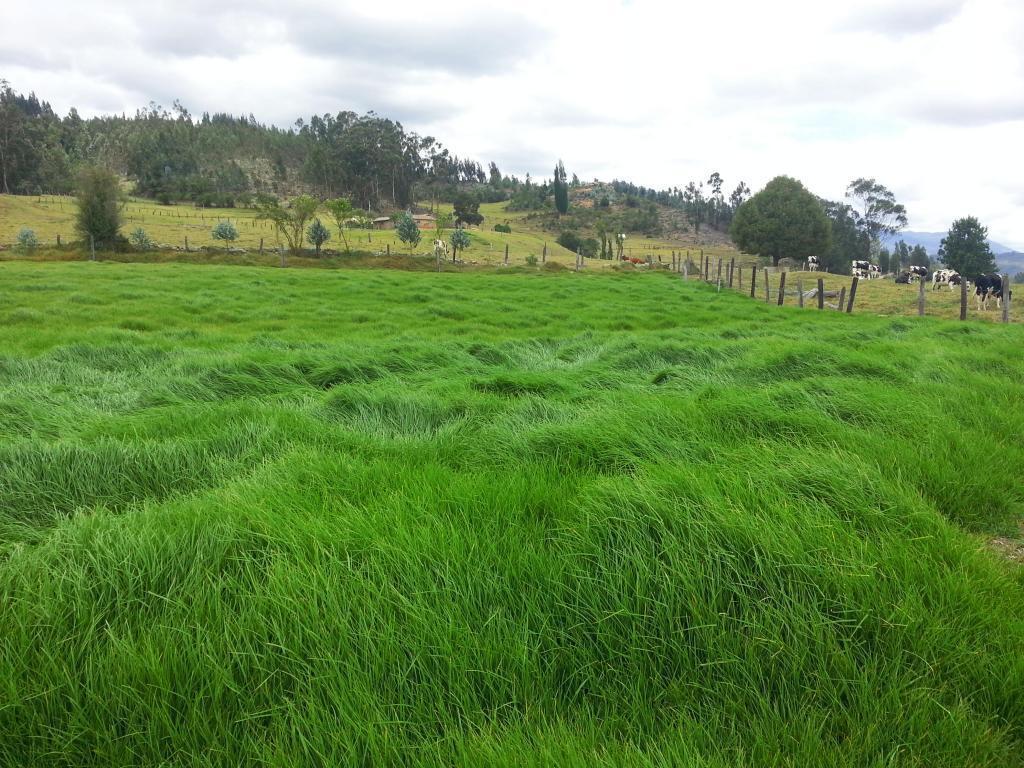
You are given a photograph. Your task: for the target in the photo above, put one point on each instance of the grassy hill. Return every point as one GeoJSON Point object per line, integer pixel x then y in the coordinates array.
{"type": "Point", "coordinates": [50, 216]}
{"type": "Point", "coordinates": [298, 517]}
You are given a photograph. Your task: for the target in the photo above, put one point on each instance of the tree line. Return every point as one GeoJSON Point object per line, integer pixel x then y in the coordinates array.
{"type": "Point", "coordinates": [785, 220]}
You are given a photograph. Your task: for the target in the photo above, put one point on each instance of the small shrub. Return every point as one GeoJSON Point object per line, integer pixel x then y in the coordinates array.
{"type": "Point", "coordinates": [27, 239]}
{"type": "Point", "coordinates": [318, 234]}
{"type": "Point", "coordinates": [140, 239]}
{"type": "Point", "coordinates": [531, 260]}
{"type": "Point", "coordinates": [226, 232]}
{"type": "Point", "coordinates": [503, 228]}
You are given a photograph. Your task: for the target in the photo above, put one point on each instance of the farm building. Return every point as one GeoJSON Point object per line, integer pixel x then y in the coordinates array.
{"type": "Point", "coordinates": [423, 221]}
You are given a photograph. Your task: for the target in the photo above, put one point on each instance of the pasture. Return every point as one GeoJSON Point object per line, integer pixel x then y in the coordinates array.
{"type": "Point", "coordinates": [307, 517]}
{"type": "Point", "coordinates": [878, 296]}
{"type": "Point", "coordinates": [50, 216]}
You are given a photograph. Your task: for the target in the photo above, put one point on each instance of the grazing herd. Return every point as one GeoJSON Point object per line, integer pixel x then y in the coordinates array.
{"type": "Point", "coordinates": [986, 287]}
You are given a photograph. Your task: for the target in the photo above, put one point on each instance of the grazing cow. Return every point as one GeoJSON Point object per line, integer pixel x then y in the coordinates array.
{"type": "Point", "coordinates": [813, 264]}
{"type": "Point", "coordinates": [865, 269]}
{"type": "Point", "coordinates": [986, 287]}
{"type": "Point", "coordinates": [440, 249]}
{"type": "Point", "coordinates": [948, 277]}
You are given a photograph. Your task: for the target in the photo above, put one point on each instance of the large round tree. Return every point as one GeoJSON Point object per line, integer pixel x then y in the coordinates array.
{"type": "Point", "coordinates": [782, 220]}
{"type": "Point", "coordinates": [965, 248]}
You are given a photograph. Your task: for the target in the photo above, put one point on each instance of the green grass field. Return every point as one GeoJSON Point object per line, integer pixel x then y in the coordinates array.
{"type": "Point", "coordinates": [309, 517]}
{"type": "Point", "coordinates": [50, 216]}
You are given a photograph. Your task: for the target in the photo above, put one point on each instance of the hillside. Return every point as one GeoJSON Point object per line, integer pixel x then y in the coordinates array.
{"type": "Point", "coordinates": [50, 217]}
{"type": "Point", "coordinates": [300, 517]}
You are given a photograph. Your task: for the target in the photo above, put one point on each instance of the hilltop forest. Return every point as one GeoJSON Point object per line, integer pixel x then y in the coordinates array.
{"type": "Point", "coordinates": [223, 161]}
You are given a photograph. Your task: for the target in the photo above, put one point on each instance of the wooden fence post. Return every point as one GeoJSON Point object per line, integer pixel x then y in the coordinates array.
{"type": "Point", "coordinates": [544, 254]}
{"type": "Point", "coordinates": [821, 293]}
{"type": "Point", "coordinates": [261, 246]}
{"type": "Point", "coordinates": [186, 243]}
{"type": "Point", "coordinates": [741, 277]}
{"type": "Point", "coordinates": [1006, 298]}
{"type": "Point", "coordinates": [963, 298]}
{"type": "Point", "coordinates": [506, 254]}
{"type": "Point", "coordinates": [920, 300]}
{"type": "Point", "coordinates": [686, 270]}
{"type": "Point", "coordinates": [782, 288]}
{"type": "Point", "coordinates": [719, 273]}
{"type": "Point", "coordinates": [92, 248]}
{"type": "Point", "coordinates": [853, 293]}
{"type": "Point", "coordinates": [753, 280]}
{"type": "Point", "coordinates": [842, 299]}
{"type": "Point", "coordinates": [800, 293]}
{"type": "Point", "coordinates": [732, 270]}
{"type": "Point", "coordinates": [767, 287]}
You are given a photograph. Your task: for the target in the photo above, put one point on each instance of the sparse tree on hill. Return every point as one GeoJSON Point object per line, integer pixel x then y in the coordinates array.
{"type": "Point", "coordinates": [318, 234]}
{"type": "Point", "coordinates": [739, 196]}
{"type": "Point", "coordinates": [782, 220]}
{"type": "Point", "coordinates": [1018, 278]}
{"type": "Point", "coordinates": [99, 206]}
{"type": "Point", "coordinates": [341, 211]}
{"type": "Point", "coordinates": [849, 242]}
{"type": "Point", "coordinates": [965, 248]}
{"type": "Point", "coordinates": [693, 197]}
{"type": "Point", "coordinates": [879, 213]}
{"type": "Point", "coordinates": [225, 232]}
{"type": "Point", "coordinates": [467, 210]}
{"type": "Point", "coordinates": [460, 241]}
{"type": "Point", "coordinates": [290, 222]}
{"type": "Point", "coordinates": [442, 222]}
{"type": "Point", "coordinates": [561, 189]}
{"type": "Point", "coordinates": [716, 201]}
{"type": "Point", "coordinates": [407, 230]}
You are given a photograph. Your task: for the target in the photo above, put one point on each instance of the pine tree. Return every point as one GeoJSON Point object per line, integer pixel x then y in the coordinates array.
{"type": "Point", "coordinates": [561, 189]}
{"type": "Point", "coordinates": [965, 248]}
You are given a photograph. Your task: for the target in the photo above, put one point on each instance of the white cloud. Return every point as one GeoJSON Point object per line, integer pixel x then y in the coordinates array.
{"type": "Point", "coordinates": [925, 95]}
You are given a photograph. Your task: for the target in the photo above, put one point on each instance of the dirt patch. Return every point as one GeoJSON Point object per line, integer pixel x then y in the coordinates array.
{"type": "Point", "coordinates": [1010, 548]}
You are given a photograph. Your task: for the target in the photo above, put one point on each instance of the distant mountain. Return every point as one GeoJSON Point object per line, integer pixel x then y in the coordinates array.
{"type": "Point", "coordinates": [932, 240]}
{"type": "Point", "coordinates": [1011, 262]}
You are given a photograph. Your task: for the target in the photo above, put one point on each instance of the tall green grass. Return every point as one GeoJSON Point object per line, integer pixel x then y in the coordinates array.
{"type": "Point", "coordinates": [281, 517]}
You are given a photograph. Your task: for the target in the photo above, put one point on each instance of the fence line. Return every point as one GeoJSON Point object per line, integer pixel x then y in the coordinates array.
{"type": "Point", "coordinates": [843, 304]}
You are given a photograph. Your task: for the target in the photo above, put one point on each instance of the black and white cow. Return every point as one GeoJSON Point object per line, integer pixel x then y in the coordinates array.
{"type": "Point", "coordinates": [948, 277]}
{"type": "Point", "coordinates": [917, 273]}
{"type": "Point", "coordinates": [989, 286]}
{"type": "Point", "coordinates": [813, 264]}
{"type": "Point", "coordinates": [865, 269]}
{"type": "Point", "coordinates": [903, 278]}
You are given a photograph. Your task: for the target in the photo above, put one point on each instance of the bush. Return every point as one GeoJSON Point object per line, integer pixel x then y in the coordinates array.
{"type": "Point", "coordinates": [570, 241]}
{"type": "Point", "coordinates": [140, 239]}
{"type": "Point", "coordinates": [226, 232]}
{"type": "Point", "coordinates": [318, 234]}
{"type": "Point", "coordinates": [27, 239]}
{"type": "Point", "coordinates": [531, 260]}
{"type": "Point", "coordinates": [503, 228]}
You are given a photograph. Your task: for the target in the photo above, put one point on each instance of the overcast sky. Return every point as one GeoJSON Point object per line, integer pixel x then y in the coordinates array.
{"type": "Point", "coordinates": [925, 95]}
